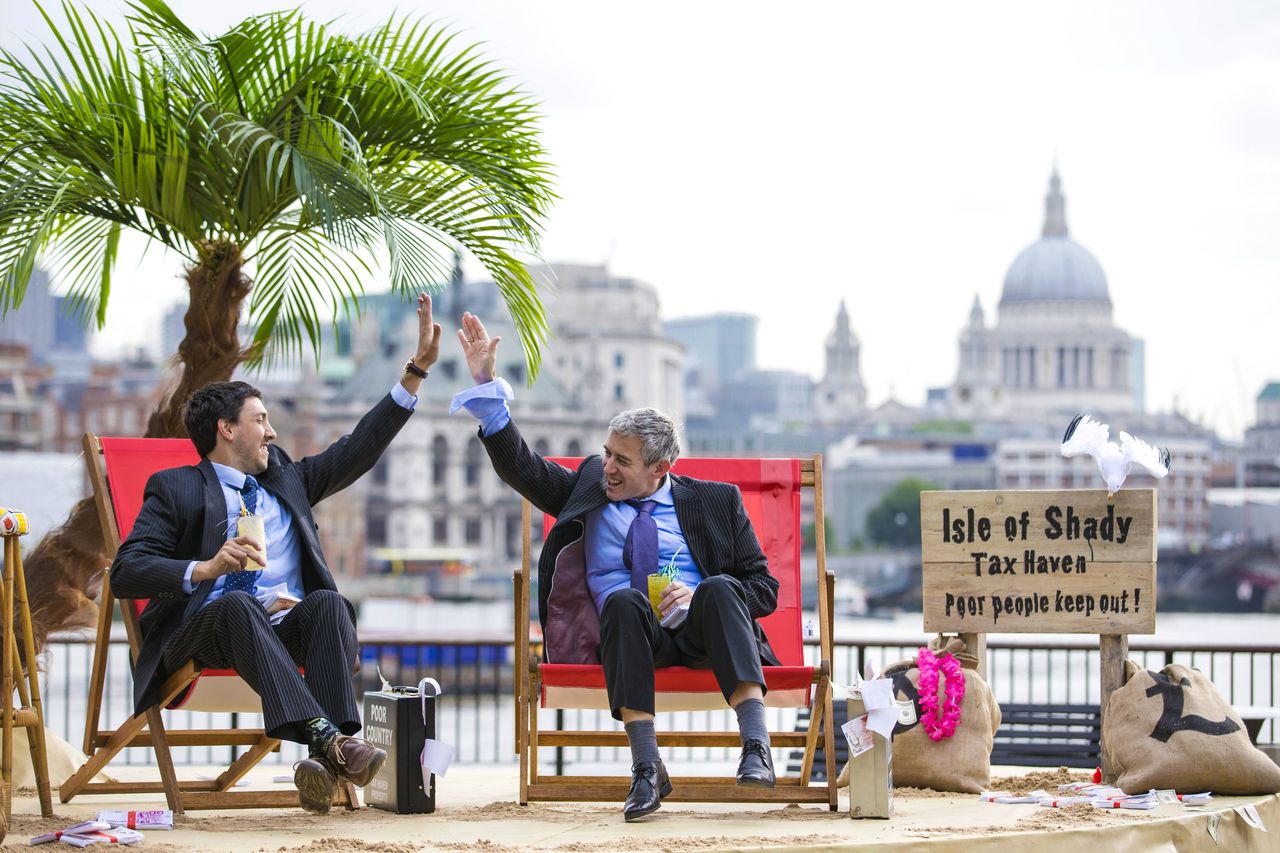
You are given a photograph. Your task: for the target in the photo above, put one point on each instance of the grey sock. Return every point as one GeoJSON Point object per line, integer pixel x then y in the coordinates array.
{"type": "Point", "coordinates": [643, 740]}
{"type": "Point", "coordinates": [751, 725]}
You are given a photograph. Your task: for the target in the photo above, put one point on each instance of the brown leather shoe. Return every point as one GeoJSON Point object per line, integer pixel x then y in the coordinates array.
{"type": "Point", "coordinates": [316, 785]}
{"type": "Point", "coordinates": [355, 760]}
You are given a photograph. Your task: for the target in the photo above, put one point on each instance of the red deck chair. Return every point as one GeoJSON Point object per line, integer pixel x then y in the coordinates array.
{"type": "Point", "coordinates": [118, 470]}
{"type": "Point", "coordinates": [771, 490]}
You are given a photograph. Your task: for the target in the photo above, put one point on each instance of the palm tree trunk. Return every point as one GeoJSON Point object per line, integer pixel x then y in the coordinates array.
{"type": "Point", "coordinates": [64, 571]}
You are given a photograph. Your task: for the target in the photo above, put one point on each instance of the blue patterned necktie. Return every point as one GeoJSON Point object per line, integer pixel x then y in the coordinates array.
{"type": "Point", "coordinates": [640, 550]}
{"type": "Point", "coordinates": [246, 580]}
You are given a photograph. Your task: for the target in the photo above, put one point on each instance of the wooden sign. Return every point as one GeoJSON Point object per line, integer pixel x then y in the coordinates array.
{"type": "Point", "coordinates": [1039, 561]}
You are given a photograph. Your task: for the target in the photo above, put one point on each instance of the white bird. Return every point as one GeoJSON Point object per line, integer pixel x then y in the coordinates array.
{"type": "Point", "coordinates": [1086, 435]}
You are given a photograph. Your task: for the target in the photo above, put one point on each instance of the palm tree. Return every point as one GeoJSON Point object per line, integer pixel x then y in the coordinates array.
{"type": "Point", "coordinates": [310, 157]}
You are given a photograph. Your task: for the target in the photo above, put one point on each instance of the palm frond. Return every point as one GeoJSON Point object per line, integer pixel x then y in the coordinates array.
{"type": "Point", "coordinates": [281, 138]}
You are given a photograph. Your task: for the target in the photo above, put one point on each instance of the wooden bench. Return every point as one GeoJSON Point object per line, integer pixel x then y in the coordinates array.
{"type": "Point", "coordinates": [1049, 736]}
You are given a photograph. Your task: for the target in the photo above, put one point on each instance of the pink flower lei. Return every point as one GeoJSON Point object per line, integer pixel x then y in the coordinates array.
{"type": "Point", "coordinates": [938, 727]}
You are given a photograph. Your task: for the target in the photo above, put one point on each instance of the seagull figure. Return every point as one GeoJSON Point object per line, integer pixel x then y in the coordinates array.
{"type": "Point", "coordinates": [1086, 435]}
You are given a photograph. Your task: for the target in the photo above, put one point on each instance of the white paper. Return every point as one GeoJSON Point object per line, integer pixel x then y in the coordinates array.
{"type": "Point", "coordinates": [858, 736]}
{"type": "Point", "coordinates": [1251, 816]}
{"type": "Point", "coordinates": [436, 757]}
{"type": "Point", "coordinates": [676, 617]}
{"type": "Point", "coordinates": [882, 721]}
{"type": "Point", "coordinates": [877, 693]}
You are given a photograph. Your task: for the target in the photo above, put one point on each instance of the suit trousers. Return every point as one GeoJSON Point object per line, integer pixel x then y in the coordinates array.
{"type": "Point", "coordinates": [718, 634]}
{"type": "Point", "coordinates": [318, 634]}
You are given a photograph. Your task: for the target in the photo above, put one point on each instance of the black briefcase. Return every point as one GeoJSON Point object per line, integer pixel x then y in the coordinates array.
{"type": "Point", "coordinates": [399, 720]}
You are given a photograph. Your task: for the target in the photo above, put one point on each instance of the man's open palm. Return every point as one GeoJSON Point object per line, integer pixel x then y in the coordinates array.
{"type": "Point", "coordinates": [480, 349]}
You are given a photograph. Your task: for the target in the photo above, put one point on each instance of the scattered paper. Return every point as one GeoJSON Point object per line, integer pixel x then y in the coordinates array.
{"type": "Point", "coordinates": [436, 757]}
{"type": "Point", "coordinates": [877, 693]}
{"type": "Point", "coordinates": [1251, 816]}
{"type": "Point", "coordinates": [82, 827]}
{"type": "Point", "coordinates": [1213, 826]}
{"type": "Point", "coordinates": [882, 711]}
{"type": "Point", "coordinates": [153, 819]}
{"type": "Point", "coordinates": [116, 835]}
{"type": "Point", "coordinates": [858, 736]}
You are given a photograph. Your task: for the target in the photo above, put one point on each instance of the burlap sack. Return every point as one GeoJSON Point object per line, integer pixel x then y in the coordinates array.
{"type": "Point", "coordinates": [1173, 729]}
{"type": "Point", "coordinates": [961, 762]}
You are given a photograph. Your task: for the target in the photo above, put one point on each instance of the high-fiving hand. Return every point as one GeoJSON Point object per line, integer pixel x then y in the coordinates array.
{"type": "Point", "coordinates": [429, 333]}
{"type": "Point", "coordinates": [480, 349]}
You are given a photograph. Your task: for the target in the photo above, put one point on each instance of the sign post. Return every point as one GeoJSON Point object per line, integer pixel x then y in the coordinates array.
{"type": "Point", "coordinates": [1042, 562]}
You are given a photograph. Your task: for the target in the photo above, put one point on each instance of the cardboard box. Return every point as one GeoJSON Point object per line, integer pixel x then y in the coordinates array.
{"type": "Point", "coordinates": [870, 774]}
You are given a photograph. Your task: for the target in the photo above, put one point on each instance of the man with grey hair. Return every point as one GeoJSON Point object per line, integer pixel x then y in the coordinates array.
{"type": "Point", "coordinates": [620, 517]}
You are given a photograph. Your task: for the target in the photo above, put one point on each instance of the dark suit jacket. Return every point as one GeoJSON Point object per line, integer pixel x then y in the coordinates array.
{"type": "Point", "coordinates": [712, 518]}
{"type": "Point", "coordinates": [183, 518]}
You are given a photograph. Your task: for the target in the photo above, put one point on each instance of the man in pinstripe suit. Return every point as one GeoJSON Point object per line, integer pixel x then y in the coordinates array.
{"type": "Point", "coordinates": [620, 517]}
{"type": "Point", "coordinates": [207, 596]}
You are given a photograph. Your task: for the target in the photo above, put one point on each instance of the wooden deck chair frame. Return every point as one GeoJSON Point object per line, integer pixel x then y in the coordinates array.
{"type": "Point", "coordinates": [147, 729]}
{"type": "Point", "coordinates": [815, 687]}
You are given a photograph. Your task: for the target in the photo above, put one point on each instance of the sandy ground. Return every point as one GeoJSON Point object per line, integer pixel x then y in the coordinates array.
{"type": "Point", "coordinates": [476, 811]}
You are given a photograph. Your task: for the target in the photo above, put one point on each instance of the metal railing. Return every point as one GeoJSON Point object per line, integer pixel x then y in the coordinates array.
{"type": "Point", "coordinates": [476, 711]}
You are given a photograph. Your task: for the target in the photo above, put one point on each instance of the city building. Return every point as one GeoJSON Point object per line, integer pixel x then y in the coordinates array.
{"type": "Point", "coordinates": [609, 349]}
{"type": "Point", "coordinates": [1260, 458]}
{"type": "Point", "coordinates": [840, 398]}
{"type": "Point", "coordinates": [719, 347]}
{"type": "Point", "coordinates": [1054, 348]}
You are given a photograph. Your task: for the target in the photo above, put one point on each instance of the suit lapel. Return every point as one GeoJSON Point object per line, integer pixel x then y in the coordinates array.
{"type": "Point", "coordinates": [689, 514]}
{"type": "Point", "coordinates": [213, 534]}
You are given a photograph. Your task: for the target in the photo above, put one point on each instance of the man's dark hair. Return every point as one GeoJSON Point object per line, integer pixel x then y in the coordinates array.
{"type": "Point", "coordinates": [217, 401]}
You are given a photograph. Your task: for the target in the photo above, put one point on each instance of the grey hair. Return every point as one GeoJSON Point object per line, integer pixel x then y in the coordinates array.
{"type": "Point", "coordinates": [655, 429]}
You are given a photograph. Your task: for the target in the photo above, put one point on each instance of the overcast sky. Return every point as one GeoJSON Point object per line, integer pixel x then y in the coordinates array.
{"type": "Point", "coordinates": [777, 159]}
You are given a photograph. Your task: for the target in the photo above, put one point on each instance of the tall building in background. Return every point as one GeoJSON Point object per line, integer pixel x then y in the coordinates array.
{"type": "Point", "coordinates": [45, 324]}
{"type": "Point", "coordinates": [608, 347]}
{"type": "Point", "coordinates": [840, 397]}
{"type": "Point", "coordinates": [718, 347]}
{"type": "Point", "coordinates": [1054, 348]}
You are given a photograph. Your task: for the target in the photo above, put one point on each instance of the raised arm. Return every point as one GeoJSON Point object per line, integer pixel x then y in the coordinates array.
{"type": "Point", "coordinates": [351, 456]}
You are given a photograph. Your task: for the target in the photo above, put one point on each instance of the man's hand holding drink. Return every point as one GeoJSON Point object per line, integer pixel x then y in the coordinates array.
{"type": "Point", "coordinates": [235, 555]}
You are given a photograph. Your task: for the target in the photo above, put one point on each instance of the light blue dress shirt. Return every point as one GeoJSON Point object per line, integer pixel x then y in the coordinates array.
{"type": "Point", "coordinates": [606, 527]}
{"type": "Point", "coordinates": [607, 532]}
{"type": "Point", "coordinates": [283, 573]}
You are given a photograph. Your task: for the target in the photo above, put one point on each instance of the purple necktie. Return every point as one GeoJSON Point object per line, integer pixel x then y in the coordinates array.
{"type": "Point", "coordinates": [246, 580]}
{"type": "Point", "coordinates": [640, 550]}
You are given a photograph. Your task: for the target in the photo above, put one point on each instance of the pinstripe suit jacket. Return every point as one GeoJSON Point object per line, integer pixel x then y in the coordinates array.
{"type": "Point", "coordinates": [712, 518]}
{"type": "Point", "coordinates": [183, 518]}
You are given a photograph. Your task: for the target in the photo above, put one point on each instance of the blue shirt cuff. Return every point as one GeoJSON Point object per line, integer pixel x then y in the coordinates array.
{"type": "Point", "coordinates": [187, 585]}
{"type": "Point", "coordinates": [487, 403]}
{"type": "Point", "coordinates": [403, 398]}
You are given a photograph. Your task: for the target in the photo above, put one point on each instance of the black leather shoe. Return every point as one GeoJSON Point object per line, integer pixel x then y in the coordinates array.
{"type": "Point", "coordinates": [755, 768]}
{"type": "Point", "coordinates": [649, 784]}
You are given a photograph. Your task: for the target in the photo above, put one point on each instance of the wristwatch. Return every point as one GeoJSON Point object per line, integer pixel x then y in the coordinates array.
{"type": "Point", "coordinates": [410, 367]}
